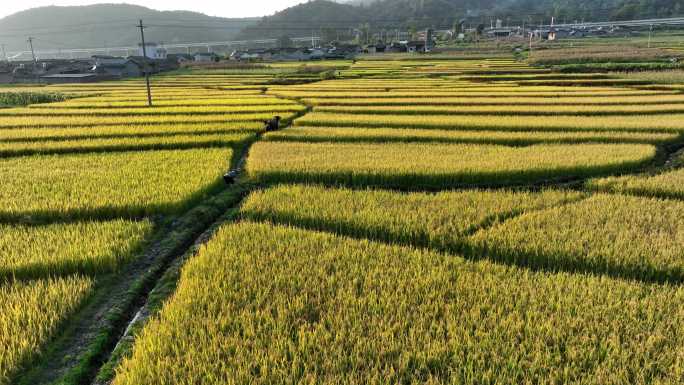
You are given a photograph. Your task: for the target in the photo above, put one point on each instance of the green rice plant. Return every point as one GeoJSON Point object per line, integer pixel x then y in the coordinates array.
{"type": "Point", "coordinates": [618, 67]}
{"type": "Point", "coordinates": [30, 313]}
{"type": "Point", "coordinates": [29, 251]}
{"type": "Point", "coordinates": [26, 98]}
{"type": "Point", "coordinates": [264, 304]}
{"type": "Point", "coordinates": [128, 184]}
{"type": "Point", "coordinates": [439, 221]}
{"type": "Point", "coordinates": [667, 184]}
{"type": "Point", "coordinates": [165, 142]}
{"type": "Point", "coordinates": [437, 166]}
{"type": "Point", "coordinates": [648, 123]}
{"type": "Point", "coordinates": [625, 236]}
{"type": "Point", "coordinates": [511, 138]}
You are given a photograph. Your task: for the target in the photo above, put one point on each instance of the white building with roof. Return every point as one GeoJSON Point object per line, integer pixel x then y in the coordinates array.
{"type": "Point", "coordinates": [152, 50]}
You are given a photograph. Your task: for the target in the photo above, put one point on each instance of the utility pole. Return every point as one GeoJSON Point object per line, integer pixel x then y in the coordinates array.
{"type": "Point", "coordinates": [529, 54]}
{"type": "Point", "coordinates": [145, 66]}
{"type": "Point", "coordinates": [650, 31]}
{"type": "Point", "coordinates": [4, 54]}
{"type": "Point", "coordinates": [33, 54]}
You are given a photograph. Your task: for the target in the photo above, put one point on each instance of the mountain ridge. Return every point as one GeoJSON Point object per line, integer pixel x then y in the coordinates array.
{"type": "Point", "coordinates": [411, 14]}
{"type": "Point", "coordinates": [111, 25]}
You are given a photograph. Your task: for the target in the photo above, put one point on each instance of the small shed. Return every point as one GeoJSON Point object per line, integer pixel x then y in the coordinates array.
{"type": "Point", "coordinates": [116, 67]}
{"type": "Point", "coordinates": [415, 46]}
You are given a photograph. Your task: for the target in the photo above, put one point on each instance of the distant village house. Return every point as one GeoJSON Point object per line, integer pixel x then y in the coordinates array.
{"type": "Point", "coordinates": [152, 51]}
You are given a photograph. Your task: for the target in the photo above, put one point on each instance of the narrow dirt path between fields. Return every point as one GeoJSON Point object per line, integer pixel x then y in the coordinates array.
{"type": "Point", "coordinates": [94, 339]}
{"type": "Point", "coordinates": [150, 302]}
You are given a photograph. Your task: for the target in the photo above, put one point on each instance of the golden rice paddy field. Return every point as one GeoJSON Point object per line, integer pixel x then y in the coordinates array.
{"type": "Point", "coordinates": [418, 220]}
{"type": "Point", "coordinates": [88, 182]}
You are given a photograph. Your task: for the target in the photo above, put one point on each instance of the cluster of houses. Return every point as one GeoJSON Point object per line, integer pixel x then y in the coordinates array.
{"type": "Point", "coordinates": [95, 68]}
{"type": "Point", "coordinates": [555, 33]}
{"type": "Point", "coordinates": [333, 51]}
{"type": "Point", "coordinates": [154, 58]}
{"type": "Point", "coordinates": [337, 51]}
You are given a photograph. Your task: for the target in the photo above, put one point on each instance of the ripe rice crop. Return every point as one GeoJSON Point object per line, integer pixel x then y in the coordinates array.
{"type": "Point", "coordinates": [127, 131]}
{"type": "Point", "coordinates": [625, 236]}
{"type": "Point", "coordinates": [437, 165]}
{"type": "Point", "coordinates": [32, 147]}
{"type": "Point", "coordinates": [581, 82]}
{"type": "Point", "coordinates": [489, 78]}
{"type": "Point", "coordinates": [438, 221]}
{"type": "Point", "coordinates": [292, 306]}
{"type": "Point", "coordinates": [142, 111]}
{"type": "Point", "coordinates": [30, 312]}
{"type": "Point", "coordinates": [499, 101]}
{"type": "Point", "coordinates": [519, 138]}
{"type": "Point", "coordinates": [442, 86]}
{"type": "Point", "coordinates": [159, 95]}
{"type": "Point", "coordinates": [82, 120]}
{"type": "Point", "coordinates": [668, 184]}
{"type": "Point", "coordinates": [447, 93]}
{"type": "Point", "coordinates": [28, 251]}
{"type": "Point", "coordinates": [129, 184]}
{"type": "Point", "coordinates": [629, 109]}
{"type": "Point", "coordinates": [185, 102]}
{"type": "Point", "coordinates": [650, 123]}
{"type": "Point", "coordinates": [476, 94]}
{"type": "Point", "coordinates": [179, 93]}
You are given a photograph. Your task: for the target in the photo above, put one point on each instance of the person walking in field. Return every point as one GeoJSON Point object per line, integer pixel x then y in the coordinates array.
{"type": "Point", "coordinates": [273, 124]}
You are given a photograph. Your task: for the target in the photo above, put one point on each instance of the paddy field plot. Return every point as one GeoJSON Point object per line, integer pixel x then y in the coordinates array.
{"type": "Point", "coordinates": [292, 305]}
{"type": "Point", "coordinates": [66, 145]}
{"type": "Point", "coordinates": [435, 166]}
{"type": "Point", "coordinates": [560, 122]}
{"type": "Point", "coordinates": [625, 236]}
{"type": "Point", "coordinates": [59, 249]}
{"type": "Point", "coordinates": [440, 220]}
{"type": "Point", "coordinates": [128, 184]}
{"type": "Point", "coordinates": [31, 313]}
{"type": "Point", "coordinates": [314, 134]}
{"type": "Point", "coordinates": [128, 131]}
{"type": "Point", "coordinates": [667, 184]}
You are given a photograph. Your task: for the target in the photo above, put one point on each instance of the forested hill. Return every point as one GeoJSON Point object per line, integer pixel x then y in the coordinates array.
{"type": "Point", "coordinates": [111, 25]}
{"type": "Point", "coordinates": [323, 14]}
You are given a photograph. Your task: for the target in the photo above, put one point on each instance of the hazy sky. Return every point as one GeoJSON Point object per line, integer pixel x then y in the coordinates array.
{"type": "Point", "coordinates": [224, 8]}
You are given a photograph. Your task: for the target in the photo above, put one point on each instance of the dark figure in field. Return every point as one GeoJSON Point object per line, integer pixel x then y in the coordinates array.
{"type": "Point", "coordinates": [273, 124]}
